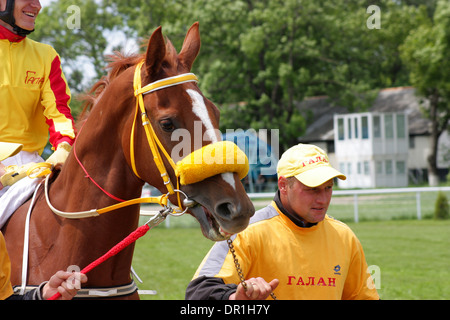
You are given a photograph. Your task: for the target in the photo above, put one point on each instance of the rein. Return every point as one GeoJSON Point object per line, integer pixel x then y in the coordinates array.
{"type": "Point", "coordinates": [154, 143]}
{"type": "Point", "coordinates": [187, 171]}
{"type": "Point", "coordinates": [87, 175]}
{"type": "Point", "coordinates": [161, 200]}
{"type": "Point", "coordinates": [155, 146]}
{"type": "Point", "coordinates": [240, 165]}
{"type": "Point", "coordinates": [132, 237]}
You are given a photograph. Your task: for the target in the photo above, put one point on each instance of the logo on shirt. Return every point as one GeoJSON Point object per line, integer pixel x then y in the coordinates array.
{"type": "Point", "coordinates": [311, 281]}
{"type": "Point", "coordinates": [306, 280]}
{"type": "Point", "coordinates": [336, 269]}
{"type": "Point", "coordinates": [31, 78]}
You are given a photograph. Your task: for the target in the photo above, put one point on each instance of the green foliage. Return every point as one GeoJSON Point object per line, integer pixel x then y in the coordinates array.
{"type": "Point", "coordinates": [260, 59]}
{"type": "Point", "coordinates": [81, 45]}
{"type": "Point", "coordinates": [441, 208]}
{"type": "Point", "coordinates": [425, 53]}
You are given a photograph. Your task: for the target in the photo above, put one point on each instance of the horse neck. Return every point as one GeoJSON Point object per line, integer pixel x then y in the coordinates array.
{"type": "Point", "coordinates": [99, 152]}
{"type": "Point", "coordinates": [96, 173]}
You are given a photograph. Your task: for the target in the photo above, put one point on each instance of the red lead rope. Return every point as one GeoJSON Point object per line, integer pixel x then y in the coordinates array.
{"type": "Point", "coordinates": [132, 237]}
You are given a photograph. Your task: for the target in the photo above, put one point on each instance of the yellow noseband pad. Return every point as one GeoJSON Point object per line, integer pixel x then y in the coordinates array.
{"type": "Point", "coordinates": [212, 159]}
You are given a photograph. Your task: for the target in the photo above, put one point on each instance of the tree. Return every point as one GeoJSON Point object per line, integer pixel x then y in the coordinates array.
{"type": "Point", "coordinates": [426, 53]}
{"type": "Point", "coordinates": [397, 20]}
{"type": "Point", "coordinates": [261, 58]}
{"type": "Point", "coordinates": [146, 16]}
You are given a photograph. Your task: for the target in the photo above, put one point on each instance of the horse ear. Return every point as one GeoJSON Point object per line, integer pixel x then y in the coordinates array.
{"type": "Point", "coordinates": [156, 51]}
{"type": "Point", "coordinates": [191, 46]}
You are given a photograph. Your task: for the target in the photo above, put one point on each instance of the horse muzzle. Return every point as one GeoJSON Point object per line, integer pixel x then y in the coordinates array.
{"type": "Point", "coordinates": [224, 210]}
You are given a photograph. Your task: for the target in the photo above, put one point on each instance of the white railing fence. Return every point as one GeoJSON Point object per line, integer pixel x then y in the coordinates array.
{"type": "Point", "coordinates": [365, 204]}
{"type": "Point", "coordinates": [357, 193]}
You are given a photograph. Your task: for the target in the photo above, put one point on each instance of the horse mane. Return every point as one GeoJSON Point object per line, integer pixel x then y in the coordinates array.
{"type": "Point", "coordinates": [118, 63]}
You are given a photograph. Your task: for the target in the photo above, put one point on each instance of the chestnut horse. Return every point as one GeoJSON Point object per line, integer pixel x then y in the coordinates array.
{"type": "Point", "coordinates": [102, 149]}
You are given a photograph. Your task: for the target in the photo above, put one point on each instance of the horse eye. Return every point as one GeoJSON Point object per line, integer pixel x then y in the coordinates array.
{"type": "Point", "coordinates": [167, 125]}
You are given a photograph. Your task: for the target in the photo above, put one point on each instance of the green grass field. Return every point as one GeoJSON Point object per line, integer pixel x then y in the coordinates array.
{"type": "Point", "coordinates": [413, 257]}
{"type": "Point", "coordinates": [167, 258]}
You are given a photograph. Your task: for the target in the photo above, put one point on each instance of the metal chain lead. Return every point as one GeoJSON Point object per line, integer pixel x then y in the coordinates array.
{"type": "Point", "coordinates": [236, 264]}
{"type": "Point", "coordinates": [239, 269]}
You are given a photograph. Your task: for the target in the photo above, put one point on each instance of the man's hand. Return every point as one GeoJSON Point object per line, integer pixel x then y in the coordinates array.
{"type": "Point", "coordinates": [257, 289]}
{"type": "Point", "coordinates": [66, 283]}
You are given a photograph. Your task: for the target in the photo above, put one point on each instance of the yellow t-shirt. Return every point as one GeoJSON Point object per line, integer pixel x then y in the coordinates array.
{"type": "Point", "coordinates": [5, 271]}
{"type": "Point", "coordinates": [325, 261]}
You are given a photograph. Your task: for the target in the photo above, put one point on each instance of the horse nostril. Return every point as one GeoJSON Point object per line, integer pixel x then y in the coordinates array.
{"type": "Point", "coordinates": [226, 210]}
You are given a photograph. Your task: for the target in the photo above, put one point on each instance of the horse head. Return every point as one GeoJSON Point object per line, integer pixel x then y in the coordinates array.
{"type": "Point", "coordinates": [183, 122]}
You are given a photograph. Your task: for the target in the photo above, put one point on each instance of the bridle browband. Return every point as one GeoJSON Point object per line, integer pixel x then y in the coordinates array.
{"type": "Point", "coordinates": [164, 83]}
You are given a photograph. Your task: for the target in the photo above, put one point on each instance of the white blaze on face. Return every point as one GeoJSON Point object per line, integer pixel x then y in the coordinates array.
{"type": "Point", "coordinates": [200, 110]}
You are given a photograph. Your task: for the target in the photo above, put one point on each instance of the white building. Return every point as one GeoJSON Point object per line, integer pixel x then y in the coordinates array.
{"type": "Point", "coordinates": [371, 149]}
{"type": "Point", "coordinates": [320, 114]}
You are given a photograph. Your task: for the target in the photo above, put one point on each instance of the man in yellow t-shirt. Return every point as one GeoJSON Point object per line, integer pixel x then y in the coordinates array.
{"type": "Point", "coordinates": [291, 247]}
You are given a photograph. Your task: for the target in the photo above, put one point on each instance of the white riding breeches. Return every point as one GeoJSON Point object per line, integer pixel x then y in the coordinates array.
{"type": "Point", "coordinates": [12, 197]}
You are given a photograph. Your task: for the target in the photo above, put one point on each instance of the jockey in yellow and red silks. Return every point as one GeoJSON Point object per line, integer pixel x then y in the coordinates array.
{"type": "Point", "coordinates": [34, 95]}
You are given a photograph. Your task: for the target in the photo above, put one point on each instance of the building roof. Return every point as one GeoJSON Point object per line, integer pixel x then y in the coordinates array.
{"type": "Point", "coordinates": [319, 112]}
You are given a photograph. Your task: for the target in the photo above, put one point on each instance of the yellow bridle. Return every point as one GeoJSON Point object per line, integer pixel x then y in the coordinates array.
{"type": "Point", "coordinates": [232, 159]}
{"type": "Point", "coordinates": [153, 141]}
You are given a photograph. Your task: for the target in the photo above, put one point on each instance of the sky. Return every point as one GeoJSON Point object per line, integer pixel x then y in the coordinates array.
{"type": "Point", "coordinates": [45, 2]}
{"type": "Point", "coordinates": [114, 39]}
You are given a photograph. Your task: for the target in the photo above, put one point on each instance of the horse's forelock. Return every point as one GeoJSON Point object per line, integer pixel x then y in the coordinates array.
{"type": "Point", "coordinates": [118, 63]}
